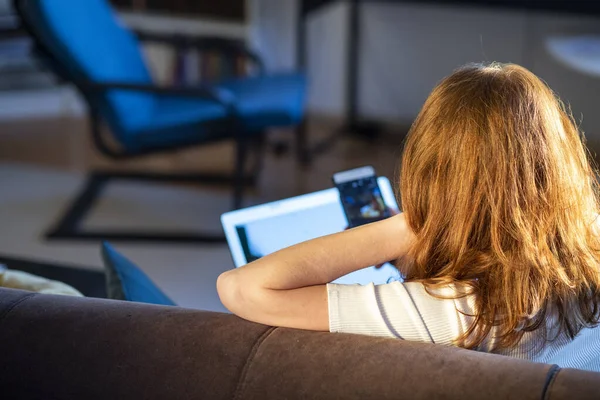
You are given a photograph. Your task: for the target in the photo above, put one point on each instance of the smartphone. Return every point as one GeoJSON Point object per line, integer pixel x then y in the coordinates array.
{"type": "Point", "coordinates": [360, 196]}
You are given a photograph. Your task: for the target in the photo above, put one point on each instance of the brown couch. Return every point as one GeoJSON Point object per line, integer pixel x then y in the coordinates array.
{"type": "Point", "coordinates": [57, 347]}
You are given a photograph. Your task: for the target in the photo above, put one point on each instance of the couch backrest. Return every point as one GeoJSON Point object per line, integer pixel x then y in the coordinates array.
{"type": "Point", "coordinates": [76, 348]}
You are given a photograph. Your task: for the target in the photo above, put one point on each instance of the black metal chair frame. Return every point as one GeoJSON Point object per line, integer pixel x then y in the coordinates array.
{"type": "Point", "coordinates": [68, 226]}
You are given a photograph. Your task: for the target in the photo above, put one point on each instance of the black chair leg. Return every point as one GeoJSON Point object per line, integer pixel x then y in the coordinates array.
{"type": "Point", "coordinates": [240, 164]}
{"type": "Point", "coordinates": [302, 152]}
{"type": "Point", "coordinates": [69, 226]}
{"type": "Point", "coordinates": [258, 148]}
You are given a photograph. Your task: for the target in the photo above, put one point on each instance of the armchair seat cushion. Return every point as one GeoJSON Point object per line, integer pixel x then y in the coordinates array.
{"type": "Point", "coordinates": [262, 102]}
{"type": "Point", "coordinates": [269, 101]}
{"type": "Point", "coordinates": [172, 111]}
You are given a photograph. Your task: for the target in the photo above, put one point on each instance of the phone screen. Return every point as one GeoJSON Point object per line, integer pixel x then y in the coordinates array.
{"type": "Point", "coordinates": [360, 196]}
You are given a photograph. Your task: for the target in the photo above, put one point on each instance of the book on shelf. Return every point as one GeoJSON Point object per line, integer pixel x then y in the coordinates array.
{"type": "Point", "coordinates": [191, 66]}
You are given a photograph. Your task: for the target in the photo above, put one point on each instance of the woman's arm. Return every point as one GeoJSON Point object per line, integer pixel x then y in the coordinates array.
{"type": "Point", "coordinates": [287, 288]}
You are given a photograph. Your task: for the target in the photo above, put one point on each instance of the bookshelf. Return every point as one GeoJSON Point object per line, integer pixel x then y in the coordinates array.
{"type": "Point", "coordinates": [224, 19]}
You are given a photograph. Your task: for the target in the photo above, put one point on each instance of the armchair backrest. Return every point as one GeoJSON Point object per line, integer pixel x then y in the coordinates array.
{"type": "Point", "coordinates": [85, 41]}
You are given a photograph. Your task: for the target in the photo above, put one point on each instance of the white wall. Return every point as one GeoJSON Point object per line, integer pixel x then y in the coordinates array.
{"type": "Point", "coordinates": [273, 34]}
{"type": "Point", "coordinates": [581, 91]}
{"type": "Point", "coordinates": [407, 48]}
{"type": "Point", "coordinates": [327, 47]}
{"type": "Point", "coordinates": [272, 31]}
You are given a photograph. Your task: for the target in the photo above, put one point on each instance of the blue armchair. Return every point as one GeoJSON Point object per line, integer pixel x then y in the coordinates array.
{"type": "Point", "coordinates": [85, 43]}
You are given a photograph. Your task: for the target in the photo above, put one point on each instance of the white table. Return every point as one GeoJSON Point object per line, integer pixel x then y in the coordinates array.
{"type": "Point", "coordinates": [580, 52]}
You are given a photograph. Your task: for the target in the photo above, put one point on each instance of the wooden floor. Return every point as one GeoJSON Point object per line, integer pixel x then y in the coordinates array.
{"type": "Point", "coordinates": [64, 144]}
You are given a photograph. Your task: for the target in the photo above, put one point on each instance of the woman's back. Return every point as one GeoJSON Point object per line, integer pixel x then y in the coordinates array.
{"type": "Point", "coordinates": [406, 311]}
{"type": "Point", "coordinates": [498, 240]}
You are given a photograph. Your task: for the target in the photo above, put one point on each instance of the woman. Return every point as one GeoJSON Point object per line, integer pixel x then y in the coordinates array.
{"type": "Point", "coordinates": [497, 241]}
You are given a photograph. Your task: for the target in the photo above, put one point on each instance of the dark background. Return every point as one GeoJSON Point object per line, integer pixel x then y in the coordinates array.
{"type": "Point", "coordinates": [233, 10]}
{"type": "Point", "coordinates": [570, 6]}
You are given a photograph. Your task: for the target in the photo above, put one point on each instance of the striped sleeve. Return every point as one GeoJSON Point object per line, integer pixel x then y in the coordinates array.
{"type": "Point", "coordinates": [397, 310]}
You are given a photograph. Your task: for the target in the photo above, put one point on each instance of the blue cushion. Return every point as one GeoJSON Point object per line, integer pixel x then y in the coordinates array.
{"type": "Point", "coordinates": [269, 100]}
{"type": "Point", "coordinates": [263, 102]}
{"type": "Point", "coordinates": [88, 38]}
{"type": "Point", "coordinates": [172, 111]}
{"type": "Point", "coordinates": [125, 281]}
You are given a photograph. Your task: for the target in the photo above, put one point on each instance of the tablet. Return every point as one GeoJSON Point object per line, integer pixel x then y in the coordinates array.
{"type": "Point", "coordinates": [257, 231]}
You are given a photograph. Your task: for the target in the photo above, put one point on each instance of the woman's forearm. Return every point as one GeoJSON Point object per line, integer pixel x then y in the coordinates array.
{"type": "Point", "coordinates": [287, 288]}
{"type": "Point", "coordinates": [325, 259]}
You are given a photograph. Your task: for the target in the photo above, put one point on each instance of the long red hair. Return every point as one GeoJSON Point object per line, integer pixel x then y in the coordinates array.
{"type": "Point", "coordinates": [498, 188]}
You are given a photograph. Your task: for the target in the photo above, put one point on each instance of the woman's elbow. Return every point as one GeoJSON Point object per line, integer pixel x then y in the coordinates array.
{"type": "Point", "coordinates": [240, 299]}
{"type": "Point", "coordinates": [228, 290]}
{"type": "Point", "coordinates": [244, 300]}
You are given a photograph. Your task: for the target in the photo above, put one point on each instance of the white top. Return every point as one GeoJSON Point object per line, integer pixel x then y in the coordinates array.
{"type": "Point", "coordinates": [407, 311]}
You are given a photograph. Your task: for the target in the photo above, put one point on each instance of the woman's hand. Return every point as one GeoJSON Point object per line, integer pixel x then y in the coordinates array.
{"type": "Point", "coordinates": [287, 288]}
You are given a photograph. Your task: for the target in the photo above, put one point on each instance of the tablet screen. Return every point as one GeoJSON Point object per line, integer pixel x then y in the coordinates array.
{"type": "Point", "coordinates": [252, 234]}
